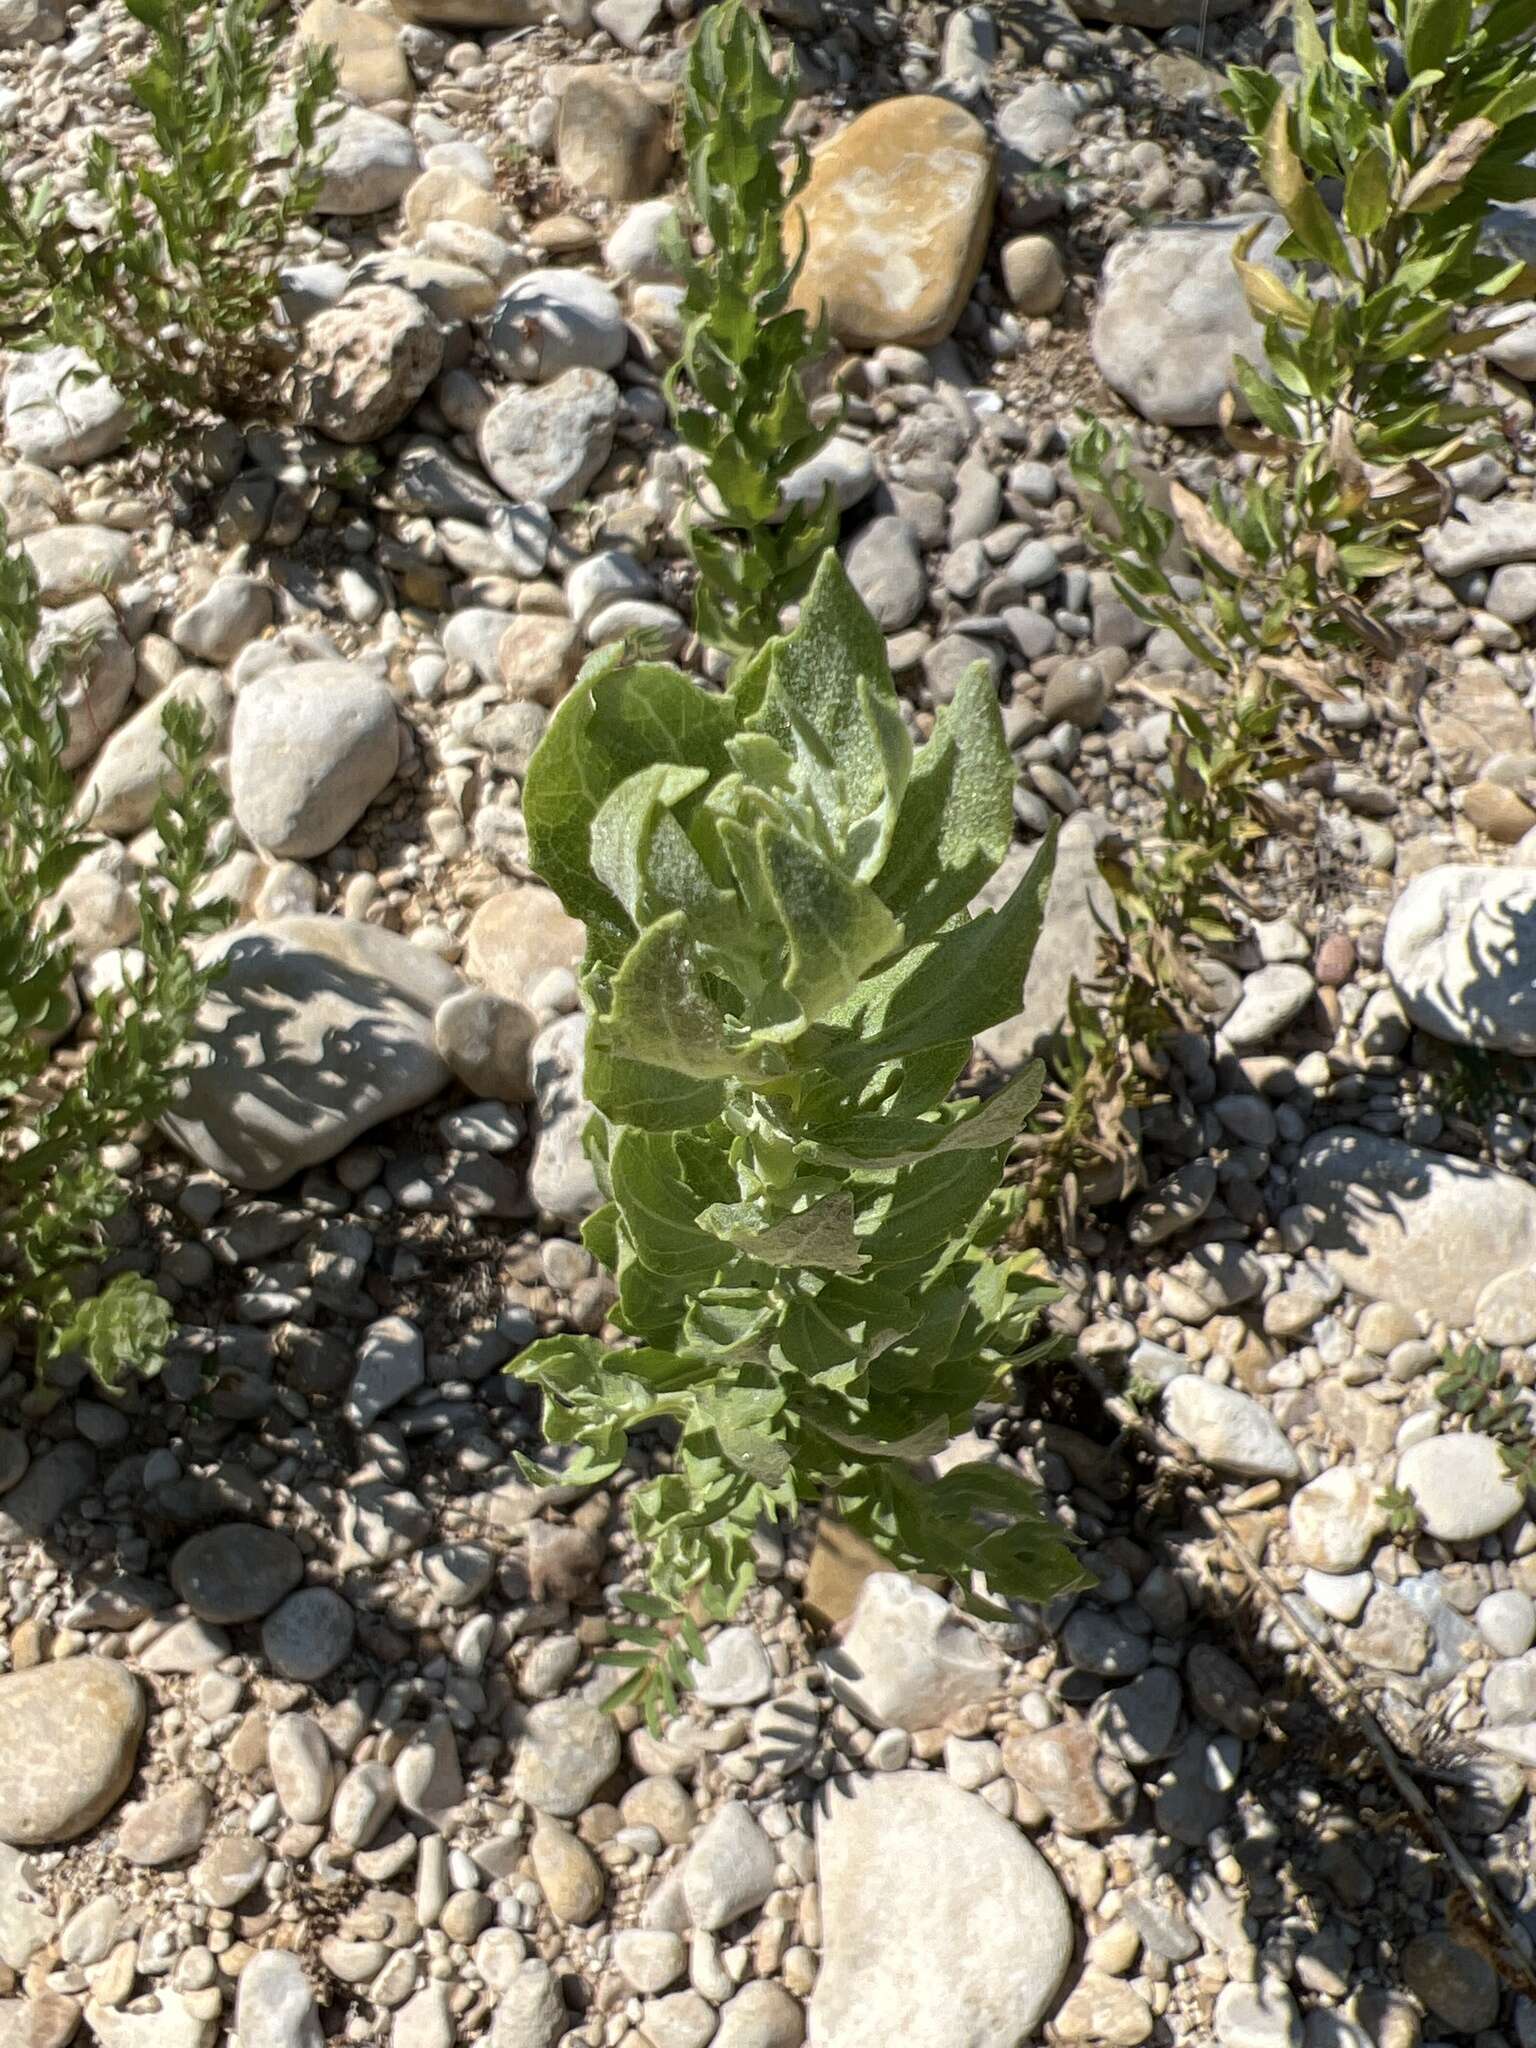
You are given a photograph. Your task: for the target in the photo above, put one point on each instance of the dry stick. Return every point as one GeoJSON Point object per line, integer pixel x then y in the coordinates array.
{"type": "Point", "coordinates": [1323, 1661]}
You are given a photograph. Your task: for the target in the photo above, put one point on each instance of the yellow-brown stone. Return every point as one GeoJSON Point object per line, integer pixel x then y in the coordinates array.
{"type": "Point", "coordinates": [896, 215]}
{"type": "Point", "coordinates": [370, 64]}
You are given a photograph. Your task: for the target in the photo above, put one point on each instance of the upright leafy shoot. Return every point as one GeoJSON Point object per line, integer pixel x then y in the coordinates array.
{"type": "Point", "coordinates": [737, 390]}
{"type": "Point", "coordinates": [55, 1190]}
{"type": "Point", "coordinates": [1389, 200]}
{"type": "Point", "coordinates": [782, 984]}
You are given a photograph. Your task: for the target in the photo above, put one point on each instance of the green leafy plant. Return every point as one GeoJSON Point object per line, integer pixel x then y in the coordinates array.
{"type": "Point", "coordinates": [1473, 1388]}
{"type": "Point", "coordinates": [737, 390]}
{"type": "Point", "coordinates": [55, 1191]}
{"type": "Point", "coordinates": [782, 985]}
{"type": "Point", "coordinates": [1402, 1512]}
{"type": "Point", "coordinates": [171, 289]}
{"type": "Point", "coordinates": [1350, 434]}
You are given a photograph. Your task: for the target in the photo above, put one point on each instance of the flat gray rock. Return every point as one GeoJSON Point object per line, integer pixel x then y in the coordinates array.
{"type": "Point", "coordinates": [1418, 1228]}
{"type": "Point", "coordinates": [236, 1573]}
{"type": "Point", "coordinates": [1171, 316]}
{"type": "Point", "coordinates": [1482, 536]}
{"type": "Point", "coordinates": [943, 1927]}
{"type": "Point", "coordinates": [321, 1028]}
{"type": "Point", "coordinates": [547, 442]}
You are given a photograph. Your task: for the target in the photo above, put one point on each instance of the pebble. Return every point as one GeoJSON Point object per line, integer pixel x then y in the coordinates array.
{"type": "Point", "coordinates": [729, 1869]}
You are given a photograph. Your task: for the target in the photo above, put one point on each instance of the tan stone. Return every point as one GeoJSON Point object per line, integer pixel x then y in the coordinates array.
{"type": "Point", "coordinates": [896, 216]}
{"type": "Point", "coordinates": [519, 935]}
{"type": "Point", "coordinates": [841, 1560]}
{"type": "Point", "coordinates": [1470, 715]}
{"type": "Point", "coordinates": [445, 194]}
{"type": "Point", "coordinates": [370, 64]}
{"type": "Point", "coordinates": [538, 658]}
{"type": "Point", "coordinates": [613, 141]}
{"type": "Point", "coordinates": [1497, 812]}
{"type": "Point", "coordinates": [1034, 275]}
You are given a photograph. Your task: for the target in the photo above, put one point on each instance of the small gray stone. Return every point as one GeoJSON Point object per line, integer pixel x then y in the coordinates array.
{"type": "Point", "coordinates": [369, 165]}
{"type": "Point", "coordinates": [761, 2015]}
{"type": "Point", "coordinates": [649, 1959]}
{"type": "Point", "coordinates": [1507, 1622]}
{"type": "Point", "coordinates": [1459, 1986]}
{"type": "Point", "coordinates": [735, 1672]}
{"type": "Point", "coordinates": [307, 1635]}
{"type": "Point", "coordinates": [391, 1363]}
{"type": "Point", "coordinates": [1272, 998]}
{"type": "Point", "coordinates": [885, 566]}
{"type": "Point", "coordinates": [275, 2007]}
{"type": "Point", "coordinates": [165, 1829]}
{"type": "Point", "coordinates": [567, 1751]}
{"type": "Point", "coordinates": [548, 442]}
{"type": "Point", "coordinates": [1262, 2015]}
{"type": "Point", "coordinates": [310, 748]}
{"type": "Point", "coordinates": [729, 1869]}
{"type": "Point", "coordinates": [1229, 1429]}
{"type": "Point", "coordinates": [300, 1761]}
{"type": "Point", "coordinates": [530, 2012]}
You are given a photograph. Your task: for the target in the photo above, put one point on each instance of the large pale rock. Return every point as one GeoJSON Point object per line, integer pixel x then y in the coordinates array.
{"type": "Point", "coordinates": [365, 363]}
{"type": "Point", "coordinates": [310, 748]}
{"type": "Point", "coordinates": [613, 141]}
{"type": "Point", "coordinates": [320, 1028]}
{"type": "Point", "coordinates": [1461, 1485]}
{"type": "Point", "coordinates": [895, 217]}
{"type": "Point", "coordinates": [942, 1926]}
{"type": "Point", "coordinates": [131, 771]}
{"type": "Point", "coordinates": [1461, 950]}
{"type": "Point", "coordinates": [1172, 317]}
{"type": "Point", "coordinates": [370, 64]}
{"type": "Point", "coordinates": [60, 412]}
{"type": "Point", "coordinates": [551, 321]}
{"type": "Point", "coordinates": [69, 1737]}
{"type": "Point", "coordinates": [1420, 1229]}
{"type": "Point", "coordinates": [907, 1659]}
{"type": "Point", "coordinates": [546, 442]}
